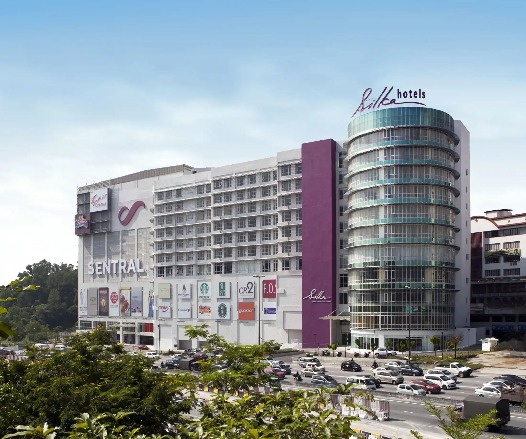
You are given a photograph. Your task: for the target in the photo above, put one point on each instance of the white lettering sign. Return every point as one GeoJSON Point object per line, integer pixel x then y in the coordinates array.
{"type": "Point", "coordinates": [317, 296]}
{"type": "Point", "coordinates": [115, 266]}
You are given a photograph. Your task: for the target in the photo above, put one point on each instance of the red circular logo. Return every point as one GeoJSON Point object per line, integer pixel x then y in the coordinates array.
{"type": "Point", "coordinates": [114, 297]}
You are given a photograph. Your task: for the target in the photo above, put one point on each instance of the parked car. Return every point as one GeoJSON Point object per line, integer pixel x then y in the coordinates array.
{"type": "Point", "coordinates": [410, 389]}
{"type": "Point", "coordinates": [388, 376]}
{"type": "Point", "coordinates": [152, 355]}
{"type": "Point", "coordinates": [143, 347]}
{"type": "Point", "coordinates": [376, 380]}
{"type": "Point", "coordinates": [274, 372]}
{"type": "Point", "coordinates": [489, 391]}
{"type": "Point", "coordinates": [351, 365]}
{"type": "Point", "coordinates": [170, 364]}
{"type": "Point", "coordinates": [428, 386]}
{"type": "Point", "coordinates": [447, 373]}
{"type": "Point", "coordinates": [395, 364]}
{"type": "Point", "coordinates": [384, 353]}
{"type": "Point", "coordinates": [359, 352]}
{"type": "Point", "coordinates": [442, 380]}
{"type": "Point", "coordinates": [515, 378]}
{"type": "Point", "coordinates": [500, 384]}
{"type": "Point", "coordinates": [284, 368]}
{"type": "Point", "coordinates": [311, 369]}
{"type": "Point", "coordinates": [305, 360]}
{"type": "Point", "coordinates": [411, 369]}
{"type": "Point", "coordinates": [324, 381]}
{"type": "Point", "coordinates": [360, 382]}
{"type": "Point", "coordinates": [455, 368]}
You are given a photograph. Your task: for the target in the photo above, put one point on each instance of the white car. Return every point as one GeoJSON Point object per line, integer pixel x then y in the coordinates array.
{"type": "Point", "coordinates": [152, 355]}
{"type": "Point", "coordinates": [490, 391]}
{"type": "Point", "coordinates": [499, 385]}
{"type": "Point", "coordinates": [447, 373]}
{"type": "Point", "coordinates": [442, 380]}
{"type": "Point", "coordinates": [410, 389]}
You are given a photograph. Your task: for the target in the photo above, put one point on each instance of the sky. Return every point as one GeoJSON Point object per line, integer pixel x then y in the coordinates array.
{"type": "Point", "coordinates": [101, 89]}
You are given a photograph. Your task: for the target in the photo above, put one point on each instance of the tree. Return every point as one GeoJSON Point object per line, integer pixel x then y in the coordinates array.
{"type": "Point", "coordinates": [402, 346]}
{"type": "Point", "coordinates": [457, 428]}
{"type": "Point", "coordinates": [18, 286]}
{"type": "Point", "coordinates": [435, 341]}
{"type": "Point", "coordinates": [453, 343]}
{"type": "Point", "coordinates": [333, 347]}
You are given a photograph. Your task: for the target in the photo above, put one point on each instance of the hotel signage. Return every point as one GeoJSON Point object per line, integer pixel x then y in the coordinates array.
{"type": "Point", "coordinates": [388, 97]}
{"type": "Point", "coordinates": [317, 296]}
{"type": "Point", "coordinates": [99, 200]}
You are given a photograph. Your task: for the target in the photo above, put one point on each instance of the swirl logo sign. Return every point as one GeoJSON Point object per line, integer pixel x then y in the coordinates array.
{"type": "Point", "coordinates": [126, 215]}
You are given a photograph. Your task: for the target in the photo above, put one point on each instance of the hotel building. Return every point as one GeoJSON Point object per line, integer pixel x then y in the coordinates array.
{"type": "Point", "coordinates": [336, 241]}
{"type": "Point", "coordinates": [498, 272]}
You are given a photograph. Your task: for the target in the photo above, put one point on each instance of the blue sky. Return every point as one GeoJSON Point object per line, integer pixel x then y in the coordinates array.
{"type": "Point", "coordinates": [96, 90]}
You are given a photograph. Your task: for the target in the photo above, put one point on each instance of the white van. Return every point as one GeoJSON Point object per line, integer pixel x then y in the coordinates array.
{"type": "Point", "coordinates": [360, 382]}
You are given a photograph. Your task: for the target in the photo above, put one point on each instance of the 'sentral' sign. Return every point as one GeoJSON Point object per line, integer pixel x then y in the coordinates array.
{"type": "Point", "coordinates": [115, 266]}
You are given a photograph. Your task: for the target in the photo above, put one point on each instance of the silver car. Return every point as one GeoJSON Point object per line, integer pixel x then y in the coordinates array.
{"type": "Point", "coordinates": [410, 389]}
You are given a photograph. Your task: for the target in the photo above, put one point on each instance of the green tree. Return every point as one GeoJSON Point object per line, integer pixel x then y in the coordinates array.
{"type": "Point", "coordinates": [435, 341]}
{"type": "Point", "coordinates": [333, 347]}
{"type": "Point", "coordinates": [453, 343]}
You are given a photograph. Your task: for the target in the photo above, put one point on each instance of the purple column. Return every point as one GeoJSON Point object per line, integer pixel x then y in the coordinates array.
{"type": "Point", "coordinates": [319, 240]}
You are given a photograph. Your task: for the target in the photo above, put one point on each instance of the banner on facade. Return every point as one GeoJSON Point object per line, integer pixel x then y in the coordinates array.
{"type": "Point", "coordinates": [184, 291]}
{"type": "Point", "coordinates": [268, 287]}
{"type": "Point", "coordinates": [184, 311]}
{"type": "Point", "coordinates": [269, 311]}
{"type": "Point", "coordinates": [83, 303]}
{"type": "Point", "coordinates": [246, 290]}
{"type": "Point", "coordinates": [124, 302]}
{"type": "Point", "coordinates": [223, 311]}
{"type": "Point", "coordinates": [148, 303]}
{"type": "Point", "coordinates": [164, 291]}
{"type": "Point", "coordinates": [165, 311]}
{"type": "Point", "coordinates": [223, 291]}
{"type": "Point", "coordinates": [104, 306]}
{"type": "Point", "coordinates": [204, 311]}
{"type": "Point", "coordinates": [246, 311]}
{"type": "Point", "coordinates": [114, 304]}
{"type": "Point", "coordinates": [136, 302]}
{"type": "Point", "coordinates": [92, 301]}
{"type": "Point", "coordinates": [203, 290]}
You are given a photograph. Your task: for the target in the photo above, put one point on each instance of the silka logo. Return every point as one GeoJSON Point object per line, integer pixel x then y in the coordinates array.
{"type": "Point", "coordinates": [126, 215]}
{"type": "Point", "coordinates": [385, 99]}
{"type": "Point", "coordinates": [316, 296]}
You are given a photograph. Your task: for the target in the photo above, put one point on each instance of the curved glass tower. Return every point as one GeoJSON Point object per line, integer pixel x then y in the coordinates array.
{"type": "Point", "coordinates": [401, 192]}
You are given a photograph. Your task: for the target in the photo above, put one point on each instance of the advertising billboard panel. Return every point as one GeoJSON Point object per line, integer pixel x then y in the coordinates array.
{"type": "Point", "coordinates": [104, 298]}
{"type": "Point", "coordinates": [124, 302]}
{"type": "Point", "coordinates": [204, 311]}
{"type": "Point", "coordinates": [268, 287]}
{"type": "Point", "coordinates": [184, 291]}
{"type": "Point", "coordinates": [114, 304]}
{"type": "Point", "coordinates": [246, 311]}
{"type": "Point", "coordinates": [269, 311]}
{"type": "Point", "coordinates": [99, 200]}
{"type": "Point", "coordinates": [223, 311]}
{"type": "Point", "coordinates": [246, 289]}
{"type": "Point", "coordinates": [136, 302]}
{"type": "Point", "coordinates": [203, 290]}
{"type": "Point", "coordinates": [165, 310]}
{"type": "Point", "coordinates": [83, 302]}
{"type": "Point", "coordinates": [184, 311]}
{"type": "Point", "coordinates": [224, 290]}
{"type": "Point", "coordinates": [82, 225]}
{"type": "Point", "coordinates": [164, 291]}
{"type": "Point", "coordinates": [92, 301]}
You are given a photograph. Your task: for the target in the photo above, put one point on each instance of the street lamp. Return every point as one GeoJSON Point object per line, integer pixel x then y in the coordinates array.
{"type": "Point", "coordinates": [442, 343]}
{"type": "Point", "coordinates": [259, 276]}
{"type": "Point", "coordinates": [410, 309]}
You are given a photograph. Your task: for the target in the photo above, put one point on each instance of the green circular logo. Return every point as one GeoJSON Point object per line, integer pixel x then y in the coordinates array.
{"type": "Point", "coordinates": [222, 310]}
{"type": "Point", "coordinates": [204, 289]}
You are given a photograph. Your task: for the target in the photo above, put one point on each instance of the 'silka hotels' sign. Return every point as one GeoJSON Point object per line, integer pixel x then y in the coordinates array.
{"type": "Point", "coordinates": [387, 97]}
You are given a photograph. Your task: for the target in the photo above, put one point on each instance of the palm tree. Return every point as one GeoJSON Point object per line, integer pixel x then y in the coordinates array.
{"type": "Point", "coordinates": [435, 341]}
{"type": "Point", "coordinates": [453, 343]}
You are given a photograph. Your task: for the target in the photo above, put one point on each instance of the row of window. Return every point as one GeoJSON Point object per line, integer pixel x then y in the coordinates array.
{"type": "Point", "coordinates": [504, 232]}
{"type": "Point", "coordinates": [505, 272]}
{"type": "Point", "coordinates": [505, 245]}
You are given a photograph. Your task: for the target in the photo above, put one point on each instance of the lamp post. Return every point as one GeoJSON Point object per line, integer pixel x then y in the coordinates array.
{"type": "Point", "coordinates": [442, 343]}
{"type": "Point", "coordinates": [259, 276]}
{"type": "Point", "coordinates": [410, 309]}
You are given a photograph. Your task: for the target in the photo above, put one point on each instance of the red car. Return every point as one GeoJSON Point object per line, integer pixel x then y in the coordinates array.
{"type": "Point", "coordinates": [427, 385]}
{"type": "Point", "coordinates": [275, 372]}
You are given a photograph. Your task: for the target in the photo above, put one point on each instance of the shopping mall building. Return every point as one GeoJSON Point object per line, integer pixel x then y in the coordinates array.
{"type": "Point", "coordinates": [336, 241]}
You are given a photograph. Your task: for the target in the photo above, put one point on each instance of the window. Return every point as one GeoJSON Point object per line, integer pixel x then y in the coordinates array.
{"type": "Point", "coordinates": [241, 223]}
{"type": "Point", "coordinates": [267, 220]}
{"type": "Point", "coordinates": [492, 273]}
{"type": "Point", "coordinates": [252, 207]}
{"type": "Point", "coordinates": [227, 252]}
{"type": "Point", "coordinates": [201, 189]}
{"type": "Point", "coordinates": [227, 182]}
{"type": "Point", "coordinates": [266, 191]}
{"type": "Point", "coordinates": [265, 266]}
{"type": "Point", "coordinates": [298, 184]}
{"type": "Point", "coordinates": [252, 236]}
{"type": "Point", "coordinates": [190, 270]}
{"type": "Point", "coordinates": [266, 177]}
{"type": "Point", "coordinates": [298, 215]}
{"type": "Point", "coordinates": [343, 298]}
{"type": "Point", "coordinates": [251, 222]}
{"type": "Point", "coordinates": [286, 216]}
{"type": "Point", "coordinates": [227, 197]}
{"type": "Point", "coordinates": [492, 247]}
{"type": "Point", "coordinates": [298, 199]}
{"type": "Point", "coordinates": [298, 168]}
{"type": "Point", "coordinates": [509, 245]}
{"type": "Point", "coordinates": [218, 253]}
{"type": "Point", "coordinates": [286, 232]}
{"type": "Point", "coordinates": [286, 185]}
{"type": "Point", "coordinates": [252, 179]}
{"type": "Point", "coordinates": [286, 247]}
{"type": "Point", "coordinates": [265, 250]}
{"type": "Point", "coordinates": [267, 235]}
{"type": "Point", "coordinates": [240, 181]}
{"type": "Point", "coordinates": [218, 239]}
{"type": "Point", "coordinates": [298, 246]}
{"type": "Point", "coordinates": [285, 170]}
{"type": "Point", "coordinates": [285, 264]}
{"type": "Point", "coordinates": [286, 200]}
{"type": "Point", "coordinates": [241, 252]}
{"type": "Point", "coordinates": [218, 268]}
{"type": "Point", "coordinates": [298, 231]}
{"type": "Point", "coordinates": [512, 272]}
{"type": "Point", "coordinates": [227, 267]}
{"type": "Point", "coordinates": [240, 195]}
{"type": "Point", "coordinates": [344, 281]}
{"type": "Point", "coordinates": [241, 237]}
{"type": "Point", "coordinates": [218, 198]}
{"type": "Point", "coordinates": [251, 251]}
{"type": "Point", "coordinates": [252, 193]}
{"type": "Point", "coordinates": [218, 184]}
